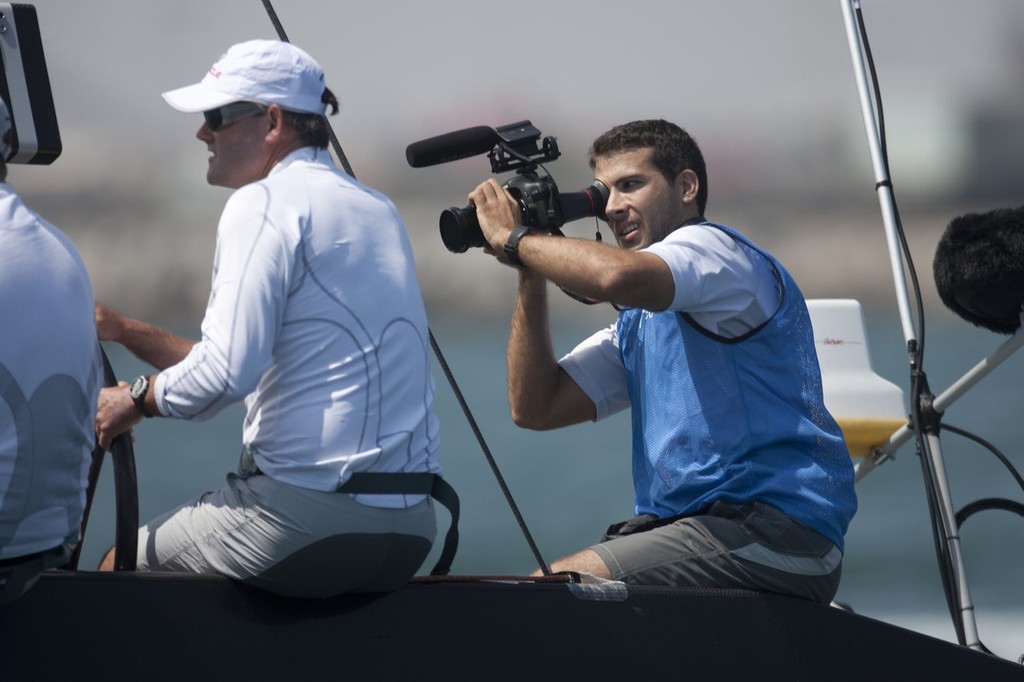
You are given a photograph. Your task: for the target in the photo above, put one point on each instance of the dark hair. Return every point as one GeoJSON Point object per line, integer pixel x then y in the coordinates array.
{"type": "Point", "coordinates": [313, 129]}
{"type": "Point", "coordinates": [673, 150]}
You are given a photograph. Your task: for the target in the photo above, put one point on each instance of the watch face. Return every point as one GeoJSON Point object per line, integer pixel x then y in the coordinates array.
{"type": "Point", "coordinates": [138, 387]}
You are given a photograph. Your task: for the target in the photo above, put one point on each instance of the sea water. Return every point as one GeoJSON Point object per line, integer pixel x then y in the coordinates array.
{"type": "Point", "coordinates": [570, 484]}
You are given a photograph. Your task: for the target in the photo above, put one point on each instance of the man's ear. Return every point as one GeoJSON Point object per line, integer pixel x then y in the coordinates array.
{"type": "Point", "coordinates": [275, 119]}
{"type": "Point", "coordinates": [687, 185]}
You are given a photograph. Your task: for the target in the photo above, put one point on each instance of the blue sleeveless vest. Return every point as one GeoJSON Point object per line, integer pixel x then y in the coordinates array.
{"type": "Point", "coordinates": [737, 419]}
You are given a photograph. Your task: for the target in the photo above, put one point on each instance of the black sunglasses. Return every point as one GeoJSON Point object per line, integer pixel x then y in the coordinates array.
{"type": "Point", "coordinates": [229, 113]}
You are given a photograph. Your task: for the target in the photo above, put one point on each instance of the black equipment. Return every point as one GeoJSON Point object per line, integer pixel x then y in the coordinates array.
{"type": "Point", "coordinates": [460, 144]}
{"type": "Point", "coordinates": [979, 268]}
{"type": "Point", "coordinates": [511, 147]}
{"type": "Point", "coordinates": [25, 87]}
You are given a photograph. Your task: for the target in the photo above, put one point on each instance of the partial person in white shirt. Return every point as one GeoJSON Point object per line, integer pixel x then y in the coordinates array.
{"type": "Point", "coordinates": [316, 321]}
{"type": "Point", "coordinates": [50, 376]}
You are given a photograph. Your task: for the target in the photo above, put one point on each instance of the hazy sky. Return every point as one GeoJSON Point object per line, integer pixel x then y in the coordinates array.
{"type": "Point", "coordinates": [740, 71]}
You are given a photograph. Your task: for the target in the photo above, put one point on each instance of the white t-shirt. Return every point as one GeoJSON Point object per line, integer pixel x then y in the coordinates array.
{"type": "Point", "coordinates": [50, 376]}
{"type": "Point", "coordinates": [726, 287]}
{"type": "Point", "coordinates": [315, 318]}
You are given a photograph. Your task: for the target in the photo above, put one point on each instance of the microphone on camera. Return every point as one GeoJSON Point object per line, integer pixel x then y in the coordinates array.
{"type": "Point", "coordinates": [979, 268]}
{"type": "Point", "coordinates": [460, 144]}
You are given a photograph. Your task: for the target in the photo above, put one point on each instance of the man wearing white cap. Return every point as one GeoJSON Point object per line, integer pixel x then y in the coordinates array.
{"type": "Point", "coordinates": [316, 320]}
{"type": "Point", "coordinates": [50, 376]}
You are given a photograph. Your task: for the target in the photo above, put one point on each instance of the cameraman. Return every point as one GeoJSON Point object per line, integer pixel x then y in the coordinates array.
{"type": "Point", "coordinates": [742, 477]}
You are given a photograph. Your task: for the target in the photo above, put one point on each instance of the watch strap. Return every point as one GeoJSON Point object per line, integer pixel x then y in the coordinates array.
{"type": "Point", "coordinates": [512, 245]}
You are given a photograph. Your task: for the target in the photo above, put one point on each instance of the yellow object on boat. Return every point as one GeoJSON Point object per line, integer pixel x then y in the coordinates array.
{"type": "Point", "coordinates": [865, 434]}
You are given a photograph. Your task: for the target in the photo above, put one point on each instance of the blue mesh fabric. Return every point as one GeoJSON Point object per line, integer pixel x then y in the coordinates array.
{"type": "Point", "coordinates": [737, 419]}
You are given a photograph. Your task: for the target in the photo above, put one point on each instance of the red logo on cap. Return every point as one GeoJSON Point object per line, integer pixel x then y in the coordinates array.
{"type": "Point", "coordinates": [215, 72]}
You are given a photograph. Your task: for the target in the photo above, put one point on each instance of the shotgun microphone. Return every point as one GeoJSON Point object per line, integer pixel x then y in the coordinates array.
{"type": "Point", "coordinates": [979, 268]}
{"type": "Point", "coordinates": [460, 144]}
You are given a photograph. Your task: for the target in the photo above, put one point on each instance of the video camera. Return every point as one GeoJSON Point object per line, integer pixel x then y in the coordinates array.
{"type": "Point", "coordinates": [511, 147]}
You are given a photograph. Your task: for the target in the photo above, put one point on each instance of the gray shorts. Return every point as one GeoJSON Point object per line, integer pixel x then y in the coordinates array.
{"type": "Point", "coordinates": [751, 546]}
{"type": "Point", "coordinates": [290, 540]}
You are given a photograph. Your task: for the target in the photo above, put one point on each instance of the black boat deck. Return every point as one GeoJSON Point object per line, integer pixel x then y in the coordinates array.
{"type": "Point", "coordinates": [126, 626]}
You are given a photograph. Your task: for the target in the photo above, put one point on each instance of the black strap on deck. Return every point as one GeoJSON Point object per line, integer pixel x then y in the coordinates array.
{"type": "Point", "coordinates": [398, 483]}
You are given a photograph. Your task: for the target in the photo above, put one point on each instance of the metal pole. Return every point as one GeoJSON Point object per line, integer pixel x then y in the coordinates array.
{"type": "Point", "coordinates": [931, 447]}
{"type": "Point", "coordinates": [883, 184]}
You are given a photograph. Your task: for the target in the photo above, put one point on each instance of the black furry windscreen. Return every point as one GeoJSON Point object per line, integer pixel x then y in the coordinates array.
{"type": "Point", "coordinates": [979, 268]}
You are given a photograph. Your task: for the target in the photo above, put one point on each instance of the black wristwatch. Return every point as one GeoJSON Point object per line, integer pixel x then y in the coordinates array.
{"type": "Point", "coordinates": [137, 391]}
{"type": "Point", "coordinates": [512, 245]}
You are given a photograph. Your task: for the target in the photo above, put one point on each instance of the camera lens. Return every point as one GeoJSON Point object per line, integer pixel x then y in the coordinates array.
{"type": "Point", "coordinates": [460, 229]}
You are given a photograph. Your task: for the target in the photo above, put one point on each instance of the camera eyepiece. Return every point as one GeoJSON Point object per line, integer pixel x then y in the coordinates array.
{"type": "Point", "coordinates": [591, 201]}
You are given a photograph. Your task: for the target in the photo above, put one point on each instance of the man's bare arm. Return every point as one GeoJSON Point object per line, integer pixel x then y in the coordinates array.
{"type": "Point", "coordinates": [148, 342]}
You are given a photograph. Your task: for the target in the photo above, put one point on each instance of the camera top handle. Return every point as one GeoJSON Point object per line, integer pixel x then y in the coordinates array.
{"type": "Point", "coordinates": [518, 148]}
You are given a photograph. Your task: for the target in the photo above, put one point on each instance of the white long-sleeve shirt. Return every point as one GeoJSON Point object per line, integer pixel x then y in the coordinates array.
{"type": "Point", "coordinates": [316, 319]}
{"type": "Point", "coordinates": [50, 377]}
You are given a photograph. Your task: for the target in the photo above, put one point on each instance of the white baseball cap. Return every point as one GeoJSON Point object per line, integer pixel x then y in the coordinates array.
{"type": "Point", "coordinates": [265, 71]}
